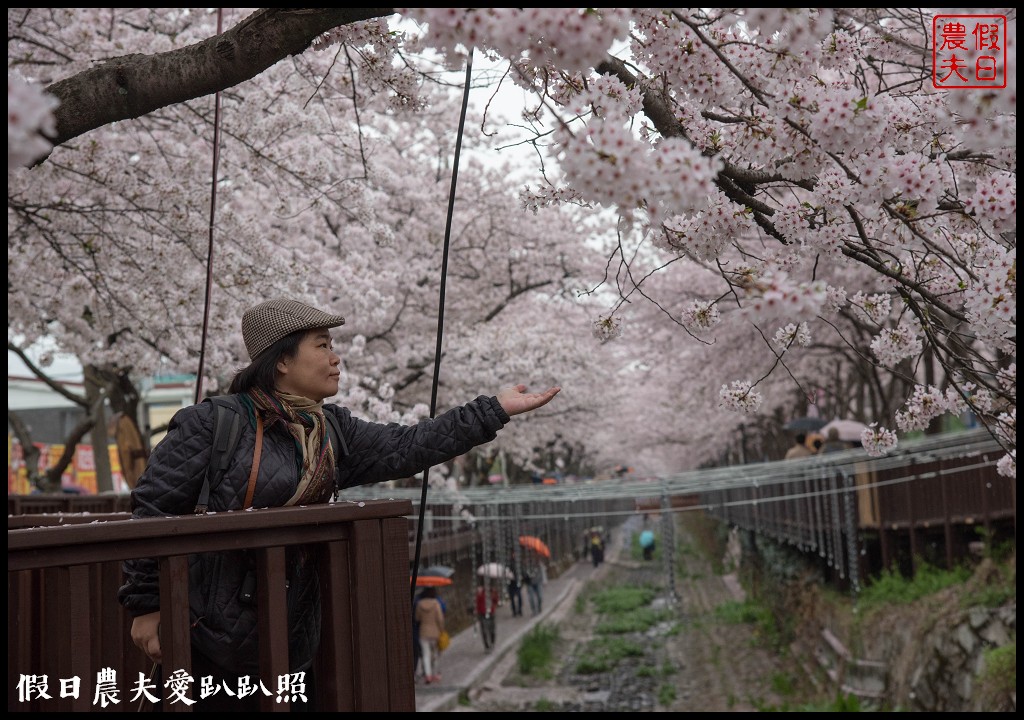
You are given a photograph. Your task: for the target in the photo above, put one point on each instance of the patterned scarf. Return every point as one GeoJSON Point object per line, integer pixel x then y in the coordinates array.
{"type": "Point", "coordinates": [304, 420]}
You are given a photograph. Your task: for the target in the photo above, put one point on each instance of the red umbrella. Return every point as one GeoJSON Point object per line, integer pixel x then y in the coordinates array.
{"type": "Point", "coordinates": [535, 544]}
{"type": "Point", "coordinates": [431, 581]}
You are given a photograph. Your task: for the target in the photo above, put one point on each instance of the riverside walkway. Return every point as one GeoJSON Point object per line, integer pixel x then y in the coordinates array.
{"type": "Point", "coordinates": [465, 664]}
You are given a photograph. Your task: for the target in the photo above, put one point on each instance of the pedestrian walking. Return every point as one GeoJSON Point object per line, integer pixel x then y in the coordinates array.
{"type": "Point", "coordinates": [486, 606]}
{"type": "Point", "coordinates": [647, 544]}
{"type": "Point", "coordinates": [293, 370]}
{"type": "Point", "coordinates": [417, 654]}
{"type": "Point", "coordinates": [534, 580]}
{"type": "Point", "coordinates": [799, 448]}
{"type": "Point", "coordinates": [514, 588]}
{"type": "Point", "coordinates": [515, 595]}
{"type": "Point", "coordinates": [596, 549]}
{"type": "Point", "coordinates": [430, 617]}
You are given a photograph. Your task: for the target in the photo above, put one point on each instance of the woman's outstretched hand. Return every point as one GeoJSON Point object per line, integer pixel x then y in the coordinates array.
{"type": "Point", "coordinates": [515, 400]}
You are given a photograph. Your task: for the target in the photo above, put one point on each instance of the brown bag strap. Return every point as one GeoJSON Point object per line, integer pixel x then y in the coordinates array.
{"type": "Point", "coordinates": [251, 490]}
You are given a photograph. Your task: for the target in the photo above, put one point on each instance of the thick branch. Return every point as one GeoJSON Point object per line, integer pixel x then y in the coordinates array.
{"type": "Point", "coordinates": [134, 85]}
{"type": "Point", "coordinates": [56, 387]}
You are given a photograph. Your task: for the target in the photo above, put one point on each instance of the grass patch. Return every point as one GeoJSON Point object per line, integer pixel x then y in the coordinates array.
{"type": "Point", "coordinates": [604, 653]}
{"type": "Point", "coordinates": [1000, 584]}
{"type": "Point", "coordinates": [892, 588]}
{"type": "Point", "coordinates": [841, 703]}
{"type": "Point", "coordinates": [623, 610]}
{"type": "Point", "coordinates": [783, 684]}
{"type": "Point", "coordinates": [536, 653]}
{"type": "Point", "coordinates": [993, 596]}
{"type": "Point", "coordinates": [545, 705]}
{"type": "Point", "coordinates": [580, 604]}
{"type": "Point", "coordinates": [766, 631]}
{"type": "Point", "coordinates": [666, 695]}
{"type": "Point", "coordinates": [998, 679]}
{"type": "Point", "coordinates": [746, 612]}
{"type": "Point", "coordinates": [637, 621]}
{"type": "Point", "coordinates": [622, 599]}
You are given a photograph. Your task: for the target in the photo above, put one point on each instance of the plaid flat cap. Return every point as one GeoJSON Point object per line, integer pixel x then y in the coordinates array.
{"type": "Point", "coordinates": [266, 323]}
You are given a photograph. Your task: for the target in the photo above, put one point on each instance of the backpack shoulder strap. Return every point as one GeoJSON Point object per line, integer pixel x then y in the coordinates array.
{"type": "Point", "coordinates": [338, 443]}
{"type": "Point", "coordinates": [227, 430]}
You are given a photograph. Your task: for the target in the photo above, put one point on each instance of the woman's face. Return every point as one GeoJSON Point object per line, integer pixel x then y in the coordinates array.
{"type": "Point", "coordinates": [314, 370]}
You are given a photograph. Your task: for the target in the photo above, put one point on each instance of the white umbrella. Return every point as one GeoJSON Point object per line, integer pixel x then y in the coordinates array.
{"type": "Point", "coordinates": [494, 570]}
{"type": "Point", "coordinates": [848, 430]}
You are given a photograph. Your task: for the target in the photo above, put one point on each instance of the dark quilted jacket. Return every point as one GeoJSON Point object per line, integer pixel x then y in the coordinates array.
{"type": "Point", "coordinates": [224, 628]}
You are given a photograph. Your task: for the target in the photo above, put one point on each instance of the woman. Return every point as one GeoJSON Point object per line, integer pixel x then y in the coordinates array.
{"type": "Point", "coordinates": [430, 617]}
{"type": "Point", "coordinates": [293, 368]}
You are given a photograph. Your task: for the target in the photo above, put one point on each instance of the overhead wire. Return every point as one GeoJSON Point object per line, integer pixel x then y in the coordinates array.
{"type": "Point", "coordinates": [213, 217]}
{"type": "Point", "coordinates": [440, 308]}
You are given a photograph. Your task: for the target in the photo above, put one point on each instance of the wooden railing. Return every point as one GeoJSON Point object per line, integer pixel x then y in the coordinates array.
{"type": "Point", "coordinates": [64, 620]}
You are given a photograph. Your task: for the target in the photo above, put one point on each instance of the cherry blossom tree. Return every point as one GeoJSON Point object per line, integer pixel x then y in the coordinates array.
{"type": "Point", "coordinates": [793, 201]}
{"type": "Point", "coordinates": [804, 155]}
{"type": "Point", "coordinates": [108, 246]}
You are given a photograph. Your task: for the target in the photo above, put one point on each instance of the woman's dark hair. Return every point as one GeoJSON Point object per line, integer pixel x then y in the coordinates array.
{"type": "Point", "coordinates": [262, 372]}
{"type": "Point", "coordinates": [429, 592]}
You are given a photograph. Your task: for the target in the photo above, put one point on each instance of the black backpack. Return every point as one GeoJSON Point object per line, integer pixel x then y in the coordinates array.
{"type": "Point", "coordinates": [227, 430]}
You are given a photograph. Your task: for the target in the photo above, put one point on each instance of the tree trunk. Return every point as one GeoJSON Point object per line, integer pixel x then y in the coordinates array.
{"type": "Point", "coordinates": [95, 385]}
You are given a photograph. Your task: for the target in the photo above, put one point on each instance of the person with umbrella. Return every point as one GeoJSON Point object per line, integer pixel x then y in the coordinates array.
{"type": "Point", "coordinates": [647, 544]}
{"type": "Point", "coordinates": [486, 607]}
{"type": "Point", "coordinates": [432, 577]}
{"type": "Point", "coordinates": [833, 443]}
{"type": "Point", "coordinates": [799, 448]}
{"type": "Point", "coordinates": [429, 616]}
{"type": "Point", "coordinates": [534, 576]}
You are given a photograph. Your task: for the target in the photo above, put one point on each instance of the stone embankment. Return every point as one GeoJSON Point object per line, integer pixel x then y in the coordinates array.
{"type": "Point", "coordinates": [927, 656]}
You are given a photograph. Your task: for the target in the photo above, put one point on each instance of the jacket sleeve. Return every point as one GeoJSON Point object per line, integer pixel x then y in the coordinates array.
{"type": "Point", "coordinates": [379, 452]}
{"type": "Point", "coordinates": [169, 486]}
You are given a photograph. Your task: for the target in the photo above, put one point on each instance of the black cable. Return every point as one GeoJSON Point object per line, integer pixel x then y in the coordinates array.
{"type": "Point", "coordinates": [440, 311]}
{"type": "Point", "coordinates": [213, 215]}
